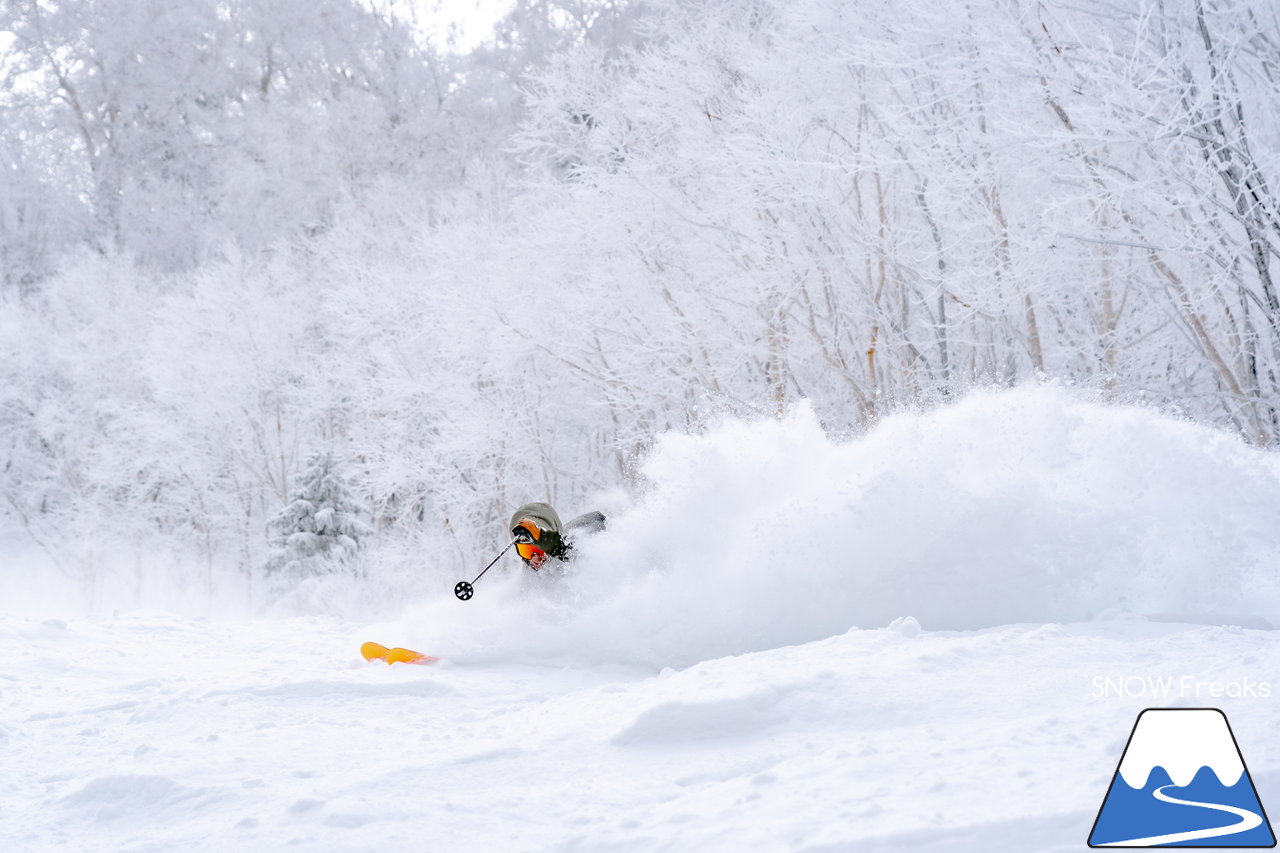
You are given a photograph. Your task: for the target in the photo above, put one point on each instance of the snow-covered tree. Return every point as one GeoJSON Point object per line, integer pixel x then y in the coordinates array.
{"type": "Point", "coordinates": [188, 126]}
{"type": "Point", "coordinates": [230, 231]}
{"type": "Point", "coordinates": [321, 529]}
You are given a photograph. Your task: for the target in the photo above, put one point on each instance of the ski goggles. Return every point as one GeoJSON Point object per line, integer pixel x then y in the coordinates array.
{"type": "Point", "coordinates": [530, 552]}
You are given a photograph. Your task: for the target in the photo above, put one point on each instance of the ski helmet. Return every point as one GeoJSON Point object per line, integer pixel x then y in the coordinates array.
{"type": "Point", "coordinates": [536, 528]}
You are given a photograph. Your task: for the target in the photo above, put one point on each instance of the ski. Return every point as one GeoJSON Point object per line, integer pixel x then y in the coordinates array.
{"type": "Point", "coordinates": [376, 651]}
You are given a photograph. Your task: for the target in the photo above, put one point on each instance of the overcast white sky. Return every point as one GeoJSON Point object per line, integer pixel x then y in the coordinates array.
{"type": "Point", "coordinates": [474, 20]}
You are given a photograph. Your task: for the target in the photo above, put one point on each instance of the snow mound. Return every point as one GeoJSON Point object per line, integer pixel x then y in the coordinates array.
{"type": "Point", "coordinates": [141, 797]}
{"type": "Point", "coordinates": [1028, 505]}
{"type": "Point", "coordinates": [680, 722]}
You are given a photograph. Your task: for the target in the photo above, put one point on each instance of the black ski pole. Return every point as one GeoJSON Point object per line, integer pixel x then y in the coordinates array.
{"type": "Point", "coordinates": [463, 589]}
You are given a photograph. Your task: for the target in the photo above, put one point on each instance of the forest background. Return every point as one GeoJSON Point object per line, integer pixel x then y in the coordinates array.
{"type": "Point", "coordinates": [257, 252]}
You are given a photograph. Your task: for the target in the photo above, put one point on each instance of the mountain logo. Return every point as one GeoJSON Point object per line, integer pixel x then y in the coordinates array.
{"type": "Point", "coordinates": [1181, 782]}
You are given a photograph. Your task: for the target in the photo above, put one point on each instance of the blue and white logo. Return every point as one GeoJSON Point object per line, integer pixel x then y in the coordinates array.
{"type": "Point", "coordinates": [1182, 783]}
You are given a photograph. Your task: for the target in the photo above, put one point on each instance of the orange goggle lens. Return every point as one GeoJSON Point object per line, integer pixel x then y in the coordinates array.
{"type": "Point", "coordinates": [526, 551]}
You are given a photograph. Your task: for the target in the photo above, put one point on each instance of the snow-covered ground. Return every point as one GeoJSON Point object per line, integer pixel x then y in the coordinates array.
{"type": "Point", "coordinates": [732, 666]}
{"type": "Point", "coordinates": [152, 732]}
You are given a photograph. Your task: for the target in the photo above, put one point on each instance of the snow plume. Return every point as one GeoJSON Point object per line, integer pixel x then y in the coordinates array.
{"type": "Point", "coordinates": [1026, 505]}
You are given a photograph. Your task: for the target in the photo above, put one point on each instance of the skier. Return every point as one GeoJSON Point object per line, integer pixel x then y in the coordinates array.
{"type": "Point", "coordinates": [540, 536]}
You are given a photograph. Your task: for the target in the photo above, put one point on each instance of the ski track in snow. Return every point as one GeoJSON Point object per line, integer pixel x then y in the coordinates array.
{"type": "Point", "coordinates": [154, 732]}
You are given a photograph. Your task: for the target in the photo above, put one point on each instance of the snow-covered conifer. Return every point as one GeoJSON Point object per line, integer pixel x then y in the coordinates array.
{"type": "Point", "coordinates": [321, 528]}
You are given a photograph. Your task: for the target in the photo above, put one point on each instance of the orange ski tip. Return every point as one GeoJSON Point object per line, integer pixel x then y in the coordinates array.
{"type": "Point", "coordinates": [399, 655]}
{"type": "Point", "coordinates": [375, 651]}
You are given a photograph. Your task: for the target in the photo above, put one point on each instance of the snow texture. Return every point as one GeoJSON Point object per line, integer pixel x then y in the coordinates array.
{"type": "Point", "coordinates": [154, 732]}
